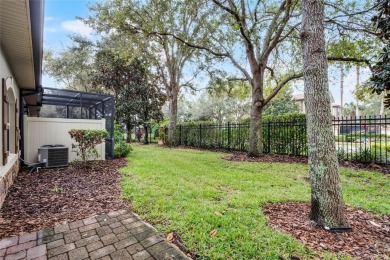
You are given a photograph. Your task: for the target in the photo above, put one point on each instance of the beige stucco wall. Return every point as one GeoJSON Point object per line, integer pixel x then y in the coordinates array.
{"type": "Point", "coordinates": [40, 131]}
{"type": "Point", "coordinates": [9, 171]}
{"type": "Point", "coordinates": [13, 88]}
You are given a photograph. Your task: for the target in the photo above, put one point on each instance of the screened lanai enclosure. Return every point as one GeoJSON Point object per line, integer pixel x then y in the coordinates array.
{"type": "Point", "coordinates": [70, 104]}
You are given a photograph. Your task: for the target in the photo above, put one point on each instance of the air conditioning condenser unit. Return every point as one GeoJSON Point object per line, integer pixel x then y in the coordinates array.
{"type": "Point", "coordinates": [53, 155]}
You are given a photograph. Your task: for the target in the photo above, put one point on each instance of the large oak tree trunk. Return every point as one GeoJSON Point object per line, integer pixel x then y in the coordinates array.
{"type": "Point", "coordinates": [146, 134]}
{"type": "Point", "coordinates": [128, 128]}
{"type": "Point", "coordinates": [172, 100]}
{"type": "Point", "coordinates": [342, 89]}
{"type": "Point", "coordinates": [255, 128]}
{"type": "Point", "coordinates": [357, 87]}
{"type": "Point", "coordinates": [326, 195]}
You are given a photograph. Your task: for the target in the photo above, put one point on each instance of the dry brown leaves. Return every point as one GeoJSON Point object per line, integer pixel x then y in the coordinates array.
{"type": "Point", "coordinates": [213, 233]}
{"type": "Point", "coordinates": [270, 158]}
{"type": "Point", "coordinates": [217, 213]}
{"type": "Point", "coordinates": [170, 237]}
{"type": "Point", "coordinates": [370, 238]}
{"type": "Point", "coordinates": [52, 196]}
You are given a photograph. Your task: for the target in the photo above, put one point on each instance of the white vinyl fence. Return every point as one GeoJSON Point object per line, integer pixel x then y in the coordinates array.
{"type": "Point", "coordinates": [40, 131]}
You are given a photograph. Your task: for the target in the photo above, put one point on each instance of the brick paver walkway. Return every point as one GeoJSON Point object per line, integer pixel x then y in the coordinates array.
{"type": "Point", "coordinates": [116, 235]}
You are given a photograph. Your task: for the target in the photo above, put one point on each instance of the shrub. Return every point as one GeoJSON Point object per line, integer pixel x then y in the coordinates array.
{"type": "Point", "coordinates": [341, 138]}
{"type": "Point", "coordinates": [121, 148]}
{"type": "Point", "coordinates": [155, 130]}
{"type": "Point", "coordinates": [364, 155]}
{"type": "Point", "coordinates": [284, 134]}
{"type": "Point", "coordinates": [86, 142]}
{"type": "Point", "coordinates": [341, 154]}
{"type": "Point", "coordinates": [163, 134]}
{"type": "Point", "coordinates": [376, 146]}
{"type": "Point", "coordinates": [361, 136]}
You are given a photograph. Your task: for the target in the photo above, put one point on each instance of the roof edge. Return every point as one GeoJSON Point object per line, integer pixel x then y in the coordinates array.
{"type": "Point", "coordinates": [36, 19]}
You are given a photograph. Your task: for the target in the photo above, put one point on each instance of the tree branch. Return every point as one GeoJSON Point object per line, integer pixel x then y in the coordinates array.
{"type": "Point", "coordinates": [352, 59]}
{"type": "Point", "coordinates": [218, 54]}
{"type": "Point", "coordinates": [271, 71]}
{"type": "Point", "coordinates": [238, 66]}
{"type": "Point", "coordinates": [272, 42]}
{"type": "Point", "coordinates": [241, 21]}
{"type": "Point", "coordinates": [237, 79]}
{"type": "Point", "coordinates": [281, 85]}
{"type": "Point", "coordinates": [292, 29]}
{"type": "Point", "coordinates": [348, 28]}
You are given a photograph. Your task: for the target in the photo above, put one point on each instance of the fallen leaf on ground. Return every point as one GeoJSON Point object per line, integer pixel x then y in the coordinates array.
{"type": "Point", "coordinates": [365, 241]}
{"type": "Point", "coordinates": [213, 232]}
{"type": "Point", "coordinates": [373, 223]}
{"type": "Point", "coordinates": [323, 246]}
{"type": "Point", "coordinates": [170, 237]}
{"type": "Point", "coordinates": [217, 213]}
{"type": "Point", "coordinates": [90, 191]}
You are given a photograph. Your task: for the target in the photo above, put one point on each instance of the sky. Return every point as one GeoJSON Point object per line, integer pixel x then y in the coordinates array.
{"type": "Point", "coordinates": [61, 21]}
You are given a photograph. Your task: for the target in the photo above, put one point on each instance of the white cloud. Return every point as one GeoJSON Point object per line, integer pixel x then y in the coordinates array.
{"type": "Point", "coordinates": [50, 29]}
{"type": "Point", "coordinates": [77, 26]}
{"type": "Point", "coordinates": [49, 18]}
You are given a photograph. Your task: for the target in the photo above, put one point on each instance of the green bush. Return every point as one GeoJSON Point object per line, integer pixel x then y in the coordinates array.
{"type": "Point", "coordinates": [376, 146]}
{"type": "Point", "coordinates": [341, 154]}
{"type": "Point", "coordinates": [87, 140]}
{"type": "Point", "coordinates": [364, 155]}
{"type": "Point", "coordinates": [360, 137]}
{"type": "Point", "coordinates": [155, 130]}
{"type": "Point", "coordinates": [163, 134]}
{"type": "Point", "coordinates": [121, 148]}
{"type": "Point", "coordinates": [367, 155]}
{"type": "Point", "coordinates": [341, 138]}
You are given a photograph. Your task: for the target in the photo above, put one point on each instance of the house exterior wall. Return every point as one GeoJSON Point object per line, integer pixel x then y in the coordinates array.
{"type": "Point", "coordinates": [40, 131]}
{"type": "Point", "coordinates": [9, 170]}
{"type": "Point", "coordinates": [301, 104]}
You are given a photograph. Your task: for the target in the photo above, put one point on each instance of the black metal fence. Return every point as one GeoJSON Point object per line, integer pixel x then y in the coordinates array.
{"type": "Point", "coordinates": [365, 139]}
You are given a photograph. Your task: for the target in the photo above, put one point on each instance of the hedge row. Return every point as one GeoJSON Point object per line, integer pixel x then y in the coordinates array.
{"type": "Point", "coordinates": [284, 134]}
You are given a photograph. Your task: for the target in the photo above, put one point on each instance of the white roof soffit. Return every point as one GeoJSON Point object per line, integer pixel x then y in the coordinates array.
{"type": "Point", "coordinates": [16, 41]}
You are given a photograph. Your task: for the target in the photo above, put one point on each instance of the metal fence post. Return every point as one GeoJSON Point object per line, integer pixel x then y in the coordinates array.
{"type": "Point", "coordinates": [229, 136]}
{"type": "Point", "coordinates": [180, 134]}
{"type": "Point", "coordinates": [200, 135]}
{"type": "Point", "coordinates": [269, 136]}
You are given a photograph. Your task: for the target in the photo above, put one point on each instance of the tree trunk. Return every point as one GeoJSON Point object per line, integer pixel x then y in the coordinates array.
{"type": "Point", "coordinates": [128, 128]}
{"type": "Point", "coordinates": [357, 87]}
{"type": "Point", "coordinates": [255, 129]}
{"type": "Point", "coordinates": [172, 99]}
{"type": "Point", "coordinates": [342, 89]}
{"type": "Point", "coordinates": [326, 195]}
{"type": "Point", "coordinates": [146, 135]}
{"type": "Point", "coordinates": [382, 111]}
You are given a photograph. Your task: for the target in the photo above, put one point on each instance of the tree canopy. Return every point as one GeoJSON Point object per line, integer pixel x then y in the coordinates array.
{"type": "Point", "coordinates": [72, 66]}
{"type": "Point", "coordinates": [380, 79]}
{"type": "Point", "coordinates": [138, 96]}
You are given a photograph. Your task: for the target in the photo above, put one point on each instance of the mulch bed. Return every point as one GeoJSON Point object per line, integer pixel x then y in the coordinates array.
{"type": "Point", "coordinates": [52, 196]}
{"type": "Point", "coordinates": [369, 239]}
{"type": "Point", "coordinates": [272, 158]}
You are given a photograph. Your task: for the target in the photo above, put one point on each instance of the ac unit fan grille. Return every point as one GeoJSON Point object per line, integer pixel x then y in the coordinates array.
{"type": "Point", "coordinates": [57, 157]}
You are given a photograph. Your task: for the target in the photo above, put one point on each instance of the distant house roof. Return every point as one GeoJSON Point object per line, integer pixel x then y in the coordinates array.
{"type": "Point", "coordinates": [301, 97]}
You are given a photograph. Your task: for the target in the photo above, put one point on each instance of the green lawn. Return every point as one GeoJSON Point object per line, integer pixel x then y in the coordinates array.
{"type": "Point", "coordinates": [179, 190]}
